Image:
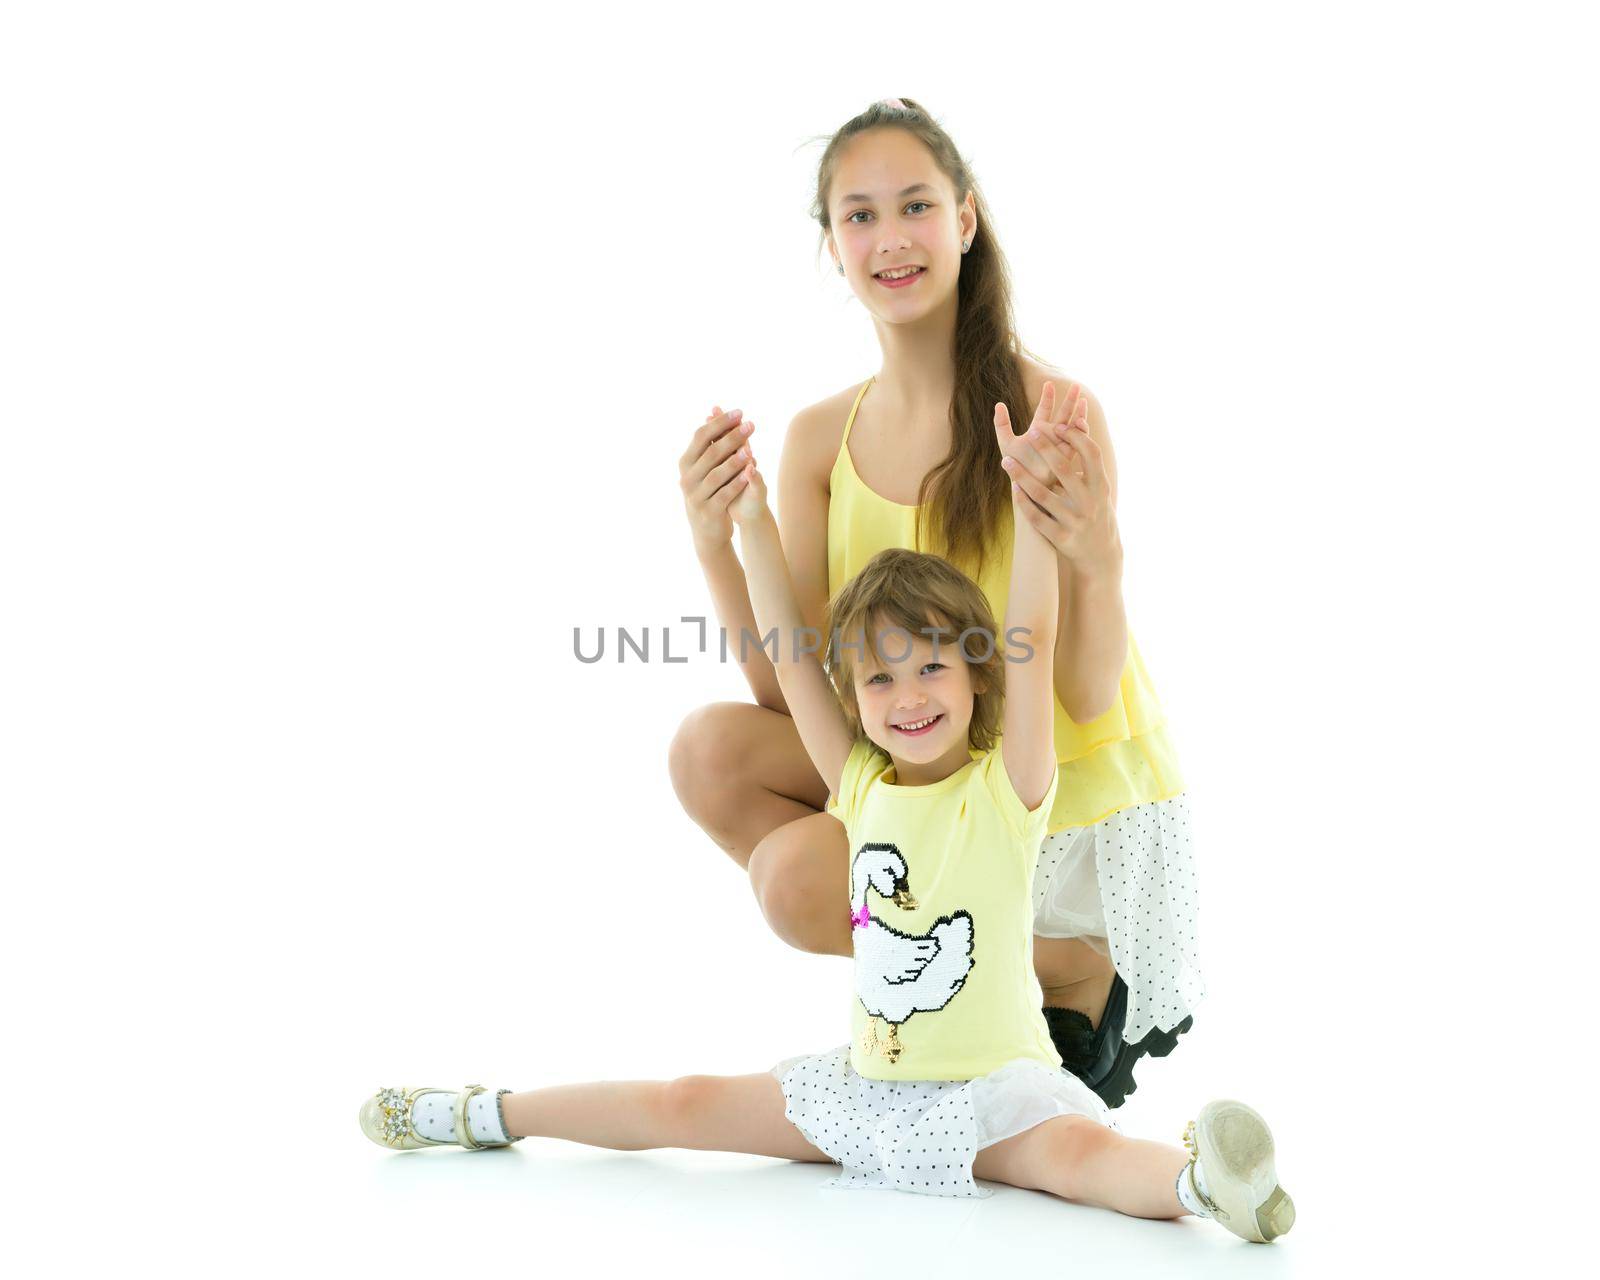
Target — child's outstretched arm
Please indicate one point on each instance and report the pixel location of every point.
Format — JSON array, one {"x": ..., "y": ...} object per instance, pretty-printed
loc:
[
  {"x": 1027, "y": 745},
  {"x": 813, "y": 703}
]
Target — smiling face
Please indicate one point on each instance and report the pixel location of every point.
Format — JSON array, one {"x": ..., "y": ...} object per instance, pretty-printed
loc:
[
  {"x": 916, "y": 703},
  {"x": 891, "y": 206}
]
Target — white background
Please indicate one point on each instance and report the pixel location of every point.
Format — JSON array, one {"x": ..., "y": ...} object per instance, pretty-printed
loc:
[{"x": 348, "y": 353}]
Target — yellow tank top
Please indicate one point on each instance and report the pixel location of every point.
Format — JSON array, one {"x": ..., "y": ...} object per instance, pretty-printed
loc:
[{"x": 1119, "y": 759}]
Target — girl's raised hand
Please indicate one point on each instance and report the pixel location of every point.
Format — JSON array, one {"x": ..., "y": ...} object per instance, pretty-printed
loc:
[
  {"x": 1059, "y": 480},
  {"x": 751, "y": 501},
  {"x": 1047, "y": 417},
  {"x": 711, "y": 473}
]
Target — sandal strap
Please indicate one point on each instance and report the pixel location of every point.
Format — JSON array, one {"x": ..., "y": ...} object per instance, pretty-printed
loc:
[{"x": 463, "y": 1130}]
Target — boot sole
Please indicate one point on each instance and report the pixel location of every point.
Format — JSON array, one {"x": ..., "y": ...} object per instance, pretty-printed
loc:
[{"x": 1119, "y": 1081}]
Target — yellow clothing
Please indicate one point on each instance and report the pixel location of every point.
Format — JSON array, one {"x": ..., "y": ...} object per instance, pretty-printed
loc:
[
  {"x": 942, "y": 920},
  {"x": 1119, "y": 759}
]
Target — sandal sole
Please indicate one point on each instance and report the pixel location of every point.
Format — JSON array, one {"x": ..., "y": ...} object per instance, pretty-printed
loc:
[{"x": 1237, "y": 1151}]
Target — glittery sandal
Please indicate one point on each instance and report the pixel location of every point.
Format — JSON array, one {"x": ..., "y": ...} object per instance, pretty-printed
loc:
[
  {"x": 1235, "y": 1146},
  {"x": 386, "y": 1118}
]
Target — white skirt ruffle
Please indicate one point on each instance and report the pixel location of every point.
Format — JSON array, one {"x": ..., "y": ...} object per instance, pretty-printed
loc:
[
  {"x": 1126, "y": 886},
  {"x": 921, "y": 1135}
]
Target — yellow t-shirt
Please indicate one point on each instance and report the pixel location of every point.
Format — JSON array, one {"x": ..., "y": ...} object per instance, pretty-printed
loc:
[
  {"x": 1121, "y": 758},
  {"x": 941, "y": 880}
]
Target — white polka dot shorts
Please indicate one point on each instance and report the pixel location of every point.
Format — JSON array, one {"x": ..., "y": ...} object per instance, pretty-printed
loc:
[{"x": 921, "y": 1135}]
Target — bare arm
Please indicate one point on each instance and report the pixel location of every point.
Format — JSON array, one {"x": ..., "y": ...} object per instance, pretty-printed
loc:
[
  {"x": 711, "y": 473},
  {"x": 1092, "y": 643},
  {"x": 812, "y": 701},
  {"x": 730, "y": 595},
  {"x": 803, "y": 514},
  {"x": 803, "y": 525},
  {"x": 1070, "y": 474},
  {"x": 1092, "y": 639},
  {"x": 1027, "y": 745}
]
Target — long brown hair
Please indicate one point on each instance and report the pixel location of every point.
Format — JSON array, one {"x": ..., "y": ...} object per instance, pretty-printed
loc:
[{"x": 967, "y": 496}]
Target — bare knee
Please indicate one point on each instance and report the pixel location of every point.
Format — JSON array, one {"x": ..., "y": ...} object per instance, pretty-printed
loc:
[
  {"x": 1076, "y": 1146},
  {"x": 703, "y": 758},
  {"x": 789, "y": 876},
  {"x": 783, "y": 902},
  {"x": 684, "y": 1103}
]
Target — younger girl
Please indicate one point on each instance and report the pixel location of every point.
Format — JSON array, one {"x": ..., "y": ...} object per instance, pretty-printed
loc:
[{"x": 951, "y": 1073}]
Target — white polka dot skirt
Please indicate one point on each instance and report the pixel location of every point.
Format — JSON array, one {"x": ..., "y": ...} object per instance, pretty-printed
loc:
[
  {"x": 921, "y": 1135},
  {"x": 1126, "y": 886}
]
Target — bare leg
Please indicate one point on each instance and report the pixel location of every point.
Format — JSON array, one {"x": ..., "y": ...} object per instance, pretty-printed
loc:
[
  {"x": 1079, "y": 1159},
  {"x": 741, "y": 772},
  {"x": 1069, "y": 1156},
  {"x": 1073, "y": 975},
  {"x": 700, "y": 1113},
  {"x": 800, "y": 874}
]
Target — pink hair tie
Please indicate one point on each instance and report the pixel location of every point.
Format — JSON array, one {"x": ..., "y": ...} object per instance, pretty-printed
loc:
[{"x": 896, "y": 104}]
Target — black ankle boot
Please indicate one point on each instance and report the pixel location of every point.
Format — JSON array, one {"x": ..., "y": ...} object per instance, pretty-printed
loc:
[{"x": 1098, "y": 1055}]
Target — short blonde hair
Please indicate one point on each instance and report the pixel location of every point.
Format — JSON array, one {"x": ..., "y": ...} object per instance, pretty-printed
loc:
[{"x": 924, "y": 596}]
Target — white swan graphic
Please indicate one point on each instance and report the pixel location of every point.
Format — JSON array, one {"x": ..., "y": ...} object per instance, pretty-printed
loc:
[{"x": 898, "y": 974}]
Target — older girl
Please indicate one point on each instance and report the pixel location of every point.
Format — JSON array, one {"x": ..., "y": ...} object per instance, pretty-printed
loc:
[{"x": 908, "y": 458}]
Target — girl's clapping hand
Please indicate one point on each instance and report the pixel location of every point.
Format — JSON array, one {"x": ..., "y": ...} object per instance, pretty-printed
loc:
[
  {"x": 711, "y": 473},
  {"x": 1059, "y": 480}
]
